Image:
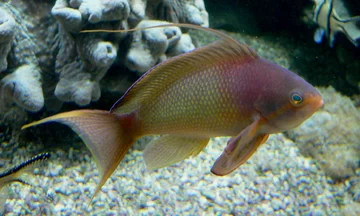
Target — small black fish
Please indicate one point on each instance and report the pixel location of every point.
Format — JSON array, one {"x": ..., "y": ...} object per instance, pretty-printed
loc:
[{"x": 13, "y": 174}]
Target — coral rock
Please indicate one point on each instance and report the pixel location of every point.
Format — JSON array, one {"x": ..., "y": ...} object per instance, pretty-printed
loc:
[
  {"x": 81, "y": 63},
  {"x": 149, "y": 47},
  {"x": 23, "y": 87},
  {"x": 83, "y": 59},
  {"x": 179, "y": 11},
  {"x": 45, "y": 57},
  {"x": 184, "y": 45},
  {"x": 75, "y": 14},
  {"x": 7, "y": 27},
  {"x": 137, "y": 14}
]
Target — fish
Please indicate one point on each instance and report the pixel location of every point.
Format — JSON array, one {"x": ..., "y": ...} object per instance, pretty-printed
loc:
[
  {"x": 222, "y": 89},
  {"x": 14, "y": 174},
  {"x": 327, "y": 16}
]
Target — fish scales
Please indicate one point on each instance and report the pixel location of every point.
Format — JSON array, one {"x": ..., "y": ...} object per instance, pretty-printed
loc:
[
  {"x": 172, "y": 100},
  {"x": 203, "y": 103}
]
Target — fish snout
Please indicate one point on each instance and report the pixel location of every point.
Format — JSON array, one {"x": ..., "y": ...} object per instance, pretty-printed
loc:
[
  {"x": 316, "y": 102},
  {"x": 321, "y": 103}
]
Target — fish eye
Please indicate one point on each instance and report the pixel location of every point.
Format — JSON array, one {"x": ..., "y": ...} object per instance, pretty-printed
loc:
[{"x": 296, "y": 98}]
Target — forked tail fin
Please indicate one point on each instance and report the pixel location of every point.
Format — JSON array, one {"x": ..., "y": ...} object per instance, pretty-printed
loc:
[{"x": 108, "y": 136}]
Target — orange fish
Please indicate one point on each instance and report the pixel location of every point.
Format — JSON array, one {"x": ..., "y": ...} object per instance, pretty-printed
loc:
[{"x": 222, "y": 89}]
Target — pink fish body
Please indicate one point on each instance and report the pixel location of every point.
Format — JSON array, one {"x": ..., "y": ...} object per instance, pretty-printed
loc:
[{"x": 222, "y": 89}]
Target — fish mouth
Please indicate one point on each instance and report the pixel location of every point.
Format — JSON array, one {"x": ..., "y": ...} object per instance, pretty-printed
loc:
[
  {"x": 320, "y": 104},
  {"x": 317, "y": 102}
]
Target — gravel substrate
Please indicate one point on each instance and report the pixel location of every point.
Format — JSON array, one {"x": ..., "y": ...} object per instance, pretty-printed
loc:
[{"x": 277, "y": 180}]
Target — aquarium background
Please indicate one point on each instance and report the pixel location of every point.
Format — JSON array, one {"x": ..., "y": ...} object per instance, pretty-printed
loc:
[{"x": 47, "y": 67}]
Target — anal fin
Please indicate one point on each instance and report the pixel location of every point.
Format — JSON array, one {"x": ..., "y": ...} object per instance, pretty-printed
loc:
[{"x": 170, "y": 149}]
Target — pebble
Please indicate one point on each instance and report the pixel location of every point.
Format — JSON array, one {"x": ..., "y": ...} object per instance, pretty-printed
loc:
[
  {"x": 80, "y": 179},
  {"x": 276, "y": 204},
  {"x": 266, "y": 208},
  {"x": 203, "y": 202},
  {"x": 55, "y": 171},
  {"x": 193, "y": 193},
  {"x": 209, "y": 194},
  {"x": 111, "y": 213},
  {"x": 113, "y": 195},
  {"x": 147, "y": 211},
  {"x": 59, "y": 207},
  {"x": 166, "y": 191},
  {"x": 187, "y": 207}
]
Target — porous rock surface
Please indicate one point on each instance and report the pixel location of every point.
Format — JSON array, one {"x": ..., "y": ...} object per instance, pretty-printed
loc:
[{"x": 46, "y": 60}]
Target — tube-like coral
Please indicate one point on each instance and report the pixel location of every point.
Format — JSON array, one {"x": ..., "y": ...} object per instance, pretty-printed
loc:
[
  {"x": 7, "y": 31},
  {"x": 69, "y": 65},
  {"x": 21, "y": 87}
]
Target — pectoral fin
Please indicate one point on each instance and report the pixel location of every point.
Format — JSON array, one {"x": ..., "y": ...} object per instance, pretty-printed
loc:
[
  {"x": 170, "y": 149},
  {"x": 239, "y": 149}
]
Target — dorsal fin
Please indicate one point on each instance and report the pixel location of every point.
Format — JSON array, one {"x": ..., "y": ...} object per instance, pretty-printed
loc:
[
  {"x": 157, "y": 79},
  {"x": 210, "y": 30}
]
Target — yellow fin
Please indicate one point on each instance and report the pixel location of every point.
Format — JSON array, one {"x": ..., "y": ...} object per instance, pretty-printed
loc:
[
  {"x": 239, "y": 149},
  {"x": 170, "y": 149},
  {"x": 105, "y": 135}
]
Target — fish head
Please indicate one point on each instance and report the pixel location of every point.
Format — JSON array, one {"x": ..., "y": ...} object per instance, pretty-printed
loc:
[
  {"x": 301, "y": 105},
  {"x": 287, "y": 102}
]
